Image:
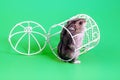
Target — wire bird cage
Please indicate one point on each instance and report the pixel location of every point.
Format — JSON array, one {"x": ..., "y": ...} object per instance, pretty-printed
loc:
[
  {"x": 28, "y": 38},
  {"x": 91, "y": 36},
  {"x": 33, "y": 33}
]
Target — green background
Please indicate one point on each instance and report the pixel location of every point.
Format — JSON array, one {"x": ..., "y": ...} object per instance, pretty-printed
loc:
[{"x": 101, "y": 63}]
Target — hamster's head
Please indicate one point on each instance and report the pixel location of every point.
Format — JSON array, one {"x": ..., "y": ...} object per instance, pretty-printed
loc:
[{"x": 76, "y": 26}]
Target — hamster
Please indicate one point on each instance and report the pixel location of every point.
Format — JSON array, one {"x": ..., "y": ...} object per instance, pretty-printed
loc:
[{"x": 66, "y": 46}]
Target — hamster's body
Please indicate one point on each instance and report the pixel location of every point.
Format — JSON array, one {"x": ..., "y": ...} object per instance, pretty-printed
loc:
[{"x": 66, "y": 47}]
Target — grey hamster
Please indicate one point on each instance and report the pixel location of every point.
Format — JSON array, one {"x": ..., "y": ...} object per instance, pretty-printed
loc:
[{"x": 66, "y": 46}]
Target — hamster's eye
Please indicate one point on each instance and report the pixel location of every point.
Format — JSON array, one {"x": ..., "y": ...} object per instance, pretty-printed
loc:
[{"x": 80, "y": 23}]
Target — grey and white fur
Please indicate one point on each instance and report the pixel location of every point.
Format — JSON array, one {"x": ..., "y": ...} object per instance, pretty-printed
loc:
[{"x": 66, "y": 46}]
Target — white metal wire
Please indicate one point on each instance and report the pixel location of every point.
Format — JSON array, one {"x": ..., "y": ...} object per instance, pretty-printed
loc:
[{"x": 27, "y": 31}]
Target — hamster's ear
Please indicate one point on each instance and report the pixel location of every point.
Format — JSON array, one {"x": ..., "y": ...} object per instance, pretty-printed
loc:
[
  {"x": 72, "y": 21},
  {"x": 69, "y": 22}
]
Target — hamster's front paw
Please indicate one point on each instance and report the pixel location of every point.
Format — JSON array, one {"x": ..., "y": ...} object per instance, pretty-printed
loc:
[{"x": 77, "y": 62}]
